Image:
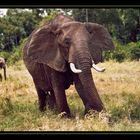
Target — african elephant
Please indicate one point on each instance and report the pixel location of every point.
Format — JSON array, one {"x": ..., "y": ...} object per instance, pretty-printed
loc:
[
  {"x": 3, "y": 66},
  {"x": 62, "y": 52}
]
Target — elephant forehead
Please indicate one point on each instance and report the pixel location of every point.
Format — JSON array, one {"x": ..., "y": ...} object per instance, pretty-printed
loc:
[
  {"x": 60, "y": 19},
  {"x": 74, "y": 29},
  {"x": 72, "y": 23}
]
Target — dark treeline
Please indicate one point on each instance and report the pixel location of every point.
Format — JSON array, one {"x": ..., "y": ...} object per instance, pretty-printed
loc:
[{"x": 122, "y": 23}]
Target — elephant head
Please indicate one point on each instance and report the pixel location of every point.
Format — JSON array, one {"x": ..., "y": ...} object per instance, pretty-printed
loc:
[
  {"x": 64, "y": 41},
  {"x": 3, "y": 66}
]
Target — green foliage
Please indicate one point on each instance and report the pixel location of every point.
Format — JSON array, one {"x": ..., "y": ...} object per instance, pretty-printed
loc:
[
  {"x": 15, "y": 55},
  {"x": 7, "y": 106},
  {"x": 128, "y": 109},
  {"x": 135, "y": 53},
  {"x": 16, "y": 25},
  {"x": 50, "y": 16},
  {"x": 123, "y": 24},
  {"x": 119, "y": 56},
  {"x": 118, "y": 89},
  {"x": 130, "y": 51}
]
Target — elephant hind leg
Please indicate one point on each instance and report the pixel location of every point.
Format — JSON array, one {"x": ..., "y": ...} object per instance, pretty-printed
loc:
[
  {"x": 41, "y": 98},
  {"x": 51, "y": 102}
]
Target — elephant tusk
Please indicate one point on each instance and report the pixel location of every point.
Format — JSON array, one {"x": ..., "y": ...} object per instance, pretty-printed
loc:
[
  {"x": 97, "y": 68},
  {"x": 74, "y": 70}
]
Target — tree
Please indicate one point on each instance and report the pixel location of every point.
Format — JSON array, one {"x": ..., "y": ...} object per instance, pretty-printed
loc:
[
  {"x": 17, "y": 24},
  {"x": 122, "y": 23}
]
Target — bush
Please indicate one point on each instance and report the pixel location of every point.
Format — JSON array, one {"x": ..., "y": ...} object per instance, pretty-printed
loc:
[
  {"x": 130, "y": 51},
  {"x": 15, "y": 55},
  {"x": 119, "y": 56},
  {"x": 135, "y": 53}
]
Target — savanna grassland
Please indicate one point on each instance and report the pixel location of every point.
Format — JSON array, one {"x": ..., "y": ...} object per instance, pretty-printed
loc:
[{"x": 118, "y": 86}]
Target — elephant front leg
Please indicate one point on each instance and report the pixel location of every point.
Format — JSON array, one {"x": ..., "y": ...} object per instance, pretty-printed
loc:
[
  {"x": 41, "y": 98},
  {"x": 59, "y": 92}
]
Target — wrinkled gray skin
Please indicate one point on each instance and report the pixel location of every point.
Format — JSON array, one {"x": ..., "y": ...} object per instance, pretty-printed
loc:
[
  {"x": 51, "y": 48},
  {"x": 3, "y": 66}
]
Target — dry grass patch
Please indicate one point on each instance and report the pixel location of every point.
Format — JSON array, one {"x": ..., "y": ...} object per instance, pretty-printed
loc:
[{"x": 118, "y": 87}]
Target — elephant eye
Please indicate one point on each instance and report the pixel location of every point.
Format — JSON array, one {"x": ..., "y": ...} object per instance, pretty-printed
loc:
[{"x": 67, "y": 41}]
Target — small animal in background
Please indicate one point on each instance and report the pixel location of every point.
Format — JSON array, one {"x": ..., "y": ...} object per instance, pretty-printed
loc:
[{"x": 3, "y": 66}]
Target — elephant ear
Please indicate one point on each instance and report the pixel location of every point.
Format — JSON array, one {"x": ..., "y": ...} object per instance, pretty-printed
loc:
[
  {"x": 43, "y": 48},
  {"x": 100, "y": 41}
]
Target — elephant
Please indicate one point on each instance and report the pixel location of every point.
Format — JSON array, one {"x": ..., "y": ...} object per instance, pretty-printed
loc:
[
  {"x": 61, "y": 53},
  {"x": 3, "y": 66}
]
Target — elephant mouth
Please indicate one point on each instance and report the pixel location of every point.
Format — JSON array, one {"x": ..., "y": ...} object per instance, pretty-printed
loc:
[{"x": 75, "y": 70}]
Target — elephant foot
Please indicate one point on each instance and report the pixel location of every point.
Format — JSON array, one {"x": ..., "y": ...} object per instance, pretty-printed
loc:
[
  {"x": 91, "y": 113},
  {"x": 105, "y": 117},
  {"x": 51, "y": 107},
  {"x": 102, "y": 115},
  {"x": 97, "y": 108},
  {"x": 42, "y": 108},
  {"x": 51, "y": 104},
  {"x": 64, "y": 115}
]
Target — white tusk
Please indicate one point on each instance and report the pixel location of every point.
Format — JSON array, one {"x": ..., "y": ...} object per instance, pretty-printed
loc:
[
  {"x": 72, "y": 67},
  {"x": 97, "y": 68}
]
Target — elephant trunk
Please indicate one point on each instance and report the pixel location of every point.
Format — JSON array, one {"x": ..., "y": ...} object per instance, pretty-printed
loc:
[
  {"x": 91, "y": 94},
  {"x": 90, "y": 90},
  {"x": 82, "y": 59}
]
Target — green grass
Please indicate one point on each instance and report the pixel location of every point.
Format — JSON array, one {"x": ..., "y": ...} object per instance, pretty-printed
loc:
[{"x": 118, "y": 87}]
